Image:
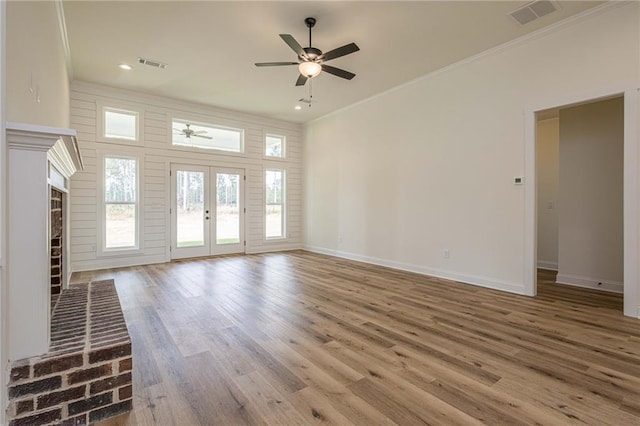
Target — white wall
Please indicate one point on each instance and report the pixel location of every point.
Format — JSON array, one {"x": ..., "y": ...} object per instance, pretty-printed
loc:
[
  {"x": 591, "y": 228},
  {"x": 37, "y": 79},
  {"x": 547, "y": 162},
  {"x": 3, "y": 236},
  {"x": 429, "y": 166},
  {"x": 157, "y": 154}
]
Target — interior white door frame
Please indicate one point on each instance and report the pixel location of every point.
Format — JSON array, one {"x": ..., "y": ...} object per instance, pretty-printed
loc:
[{"x": 630, "y": 193}]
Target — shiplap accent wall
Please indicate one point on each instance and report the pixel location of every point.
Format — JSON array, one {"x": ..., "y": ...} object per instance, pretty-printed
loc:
[{"x": 157, "y": 154}]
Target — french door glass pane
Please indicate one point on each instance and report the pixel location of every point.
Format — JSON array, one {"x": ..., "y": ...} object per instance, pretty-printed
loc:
[
  {"x": 190, "y": 209},
  {"x": 227, "y": 208}
]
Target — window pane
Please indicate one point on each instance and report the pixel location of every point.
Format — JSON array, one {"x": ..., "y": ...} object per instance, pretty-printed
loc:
[
  {"x": 120, "y": 180},
  {"x": 228, "y": 209},
  {"x": 274, "y": 186},
  {"x": 274, "y": 224},
  {"x": 207, "y": 137},
  {"x": 119, "y": 125},
  {"x": 274, "y": 221},
  {"x": 190, "y": 209},
  {"x": 120, "y": 225},
  {"x": 274, "y": 146}
]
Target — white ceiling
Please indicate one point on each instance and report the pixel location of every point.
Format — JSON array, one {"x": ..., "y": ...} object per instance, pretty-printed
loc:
[{"x": 210, "y": 47}]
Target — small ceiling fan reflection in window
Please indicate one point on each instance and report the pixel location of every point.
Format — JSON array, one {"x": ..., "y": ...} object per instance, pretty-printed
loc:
[{"x": 187, "y": 132}]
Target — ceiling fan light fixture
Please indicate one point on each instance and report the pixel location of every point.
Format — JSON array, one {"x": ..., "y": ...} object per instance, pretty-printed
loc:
[{"x": 309, "y": 69}]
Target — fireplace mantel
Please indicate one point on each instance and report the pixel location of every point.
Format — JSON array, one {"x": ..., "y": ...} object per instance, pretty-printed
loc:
[{"x": 38, "y": 158}]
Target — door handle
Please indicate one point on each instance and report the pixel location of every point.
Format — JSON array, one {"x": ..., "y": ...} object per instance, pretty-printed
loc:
[{"x": 206, "y": 217}]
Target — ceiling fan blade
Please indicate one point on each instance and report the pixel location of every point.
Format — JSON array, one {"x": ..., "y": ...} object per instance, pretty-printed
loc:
[
  {"x": 202, "y": 136},
  {"x": 338, "y": 72},
  {"x": 274, "y": 64},
  {"x": 340, "y": 51},
  {"x": 301, "y": 80},
  {"x": 293, "y": 44},
  {"x": 199, "y": 132}
]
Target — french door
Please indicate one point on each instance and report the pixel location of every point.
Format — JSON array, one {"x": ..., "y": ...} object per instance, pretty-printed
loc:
[{"x": 207, "y": 211}]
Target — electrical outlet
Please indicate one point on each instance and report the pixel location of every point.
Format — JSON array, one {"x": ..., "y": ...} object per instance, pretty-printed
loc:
[{"x": 446, "y": 254}]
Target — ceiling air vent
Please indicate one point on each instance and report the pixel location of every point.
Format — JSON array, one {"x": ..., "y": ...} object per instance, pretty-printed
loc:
[
  {"x": 534, "y": 10},
  {"x": 152, "y": 63}
]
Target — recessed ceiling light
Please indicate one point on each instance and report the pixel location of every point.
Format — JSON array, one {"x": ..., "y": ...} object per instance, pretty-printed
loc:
[
  {"x": 298, "y": 107},
  {"x": 125, "y": 67}
]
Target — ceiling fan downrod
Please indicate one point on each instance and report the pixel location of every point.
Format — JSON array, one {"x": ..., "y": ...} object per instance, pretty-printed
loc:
[{"x": 311, "y": 22}]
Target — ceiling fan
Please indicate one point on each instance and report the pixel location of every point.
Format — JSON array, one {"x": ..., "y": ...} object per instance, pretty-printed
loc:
[
  {"x": 187, "y": 132},
  {"x": 311, "y": 60}
]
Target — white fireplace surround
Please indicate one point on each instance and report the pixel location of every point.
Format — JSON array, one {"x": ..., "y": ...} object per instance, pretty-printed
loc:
[{"x": 39, "y": 158}]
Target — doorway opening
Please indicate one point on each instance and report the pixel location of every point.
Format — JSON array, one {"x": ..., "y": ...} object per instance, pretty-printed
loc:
[
  {"x": 207, "y": 211},
  {"x": 579, "y": 176},
  {"x": 627, "y": 280}
]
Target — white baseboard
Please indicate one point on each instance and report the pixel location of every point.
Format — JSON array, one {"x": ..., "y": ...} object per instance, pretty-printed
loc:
[
  {"x": 594, "y": 283},
  {"x": 272, "y": 249},
  {"x": 116, "y": 262},
  {"x": 438, "y": 273},
  {"x": 548, "y": 265},
  {"x": 123, "y": 262}
]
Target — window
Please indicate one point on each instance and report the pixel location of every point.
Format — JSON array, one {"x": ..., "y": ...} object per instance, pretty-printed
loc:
[
  {"x": 120, "y": 203},
  {"x": 120, "y": 124},
  {"x": 275, "y": 208},
  {"x": 207, "y": 136},
  {"x": 274, "y": 146}
]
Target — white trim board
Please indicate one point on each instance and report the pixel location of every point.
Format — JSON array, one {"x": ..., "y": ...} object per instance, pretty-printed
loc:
[
  {"x": 586, "y": 282},
  {"x": 62, "y": 23},
  {"x": 432, "y": 272}
]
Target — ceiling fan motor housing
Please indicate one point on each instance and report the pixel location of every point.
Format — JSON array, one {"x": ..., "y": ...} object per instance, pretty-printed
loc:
[{"x": 312, "y": 53}]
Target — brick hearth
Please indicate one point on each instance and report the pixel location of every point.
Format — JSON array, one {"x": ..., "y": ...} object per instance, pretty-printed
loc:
[{"x": 86, "y": 375}]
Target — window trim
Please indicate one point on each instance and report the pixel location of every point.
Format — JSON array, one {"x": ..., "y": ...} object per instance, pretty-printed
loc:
[
  {"x": 103, "y": 108},
  {"x": 284, "y": 138},
  {"x": 102, "y": 250},
  {"x": 283, "y": 203},
  {"x": 199, "y": 122}
]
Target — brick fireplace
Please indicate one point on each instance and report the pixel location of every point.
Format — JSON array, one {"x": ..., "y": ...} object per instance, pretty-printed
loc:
[
  {"x": 69, "y": 349},
  {"x": 40, "y": 159}
]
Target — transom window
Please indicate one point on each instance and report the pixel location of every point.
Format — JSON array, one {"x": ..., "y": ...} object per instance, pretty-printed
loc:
[
  {"x": 274, "y": 145},
  {"x": 120, "y": 124},
  {"x": 206, "y": 136}
]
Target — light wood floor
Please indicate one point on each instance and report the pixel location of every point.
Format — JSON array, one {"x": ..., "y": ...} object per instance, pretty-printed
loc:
[{"x": 300, "y": 338}]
